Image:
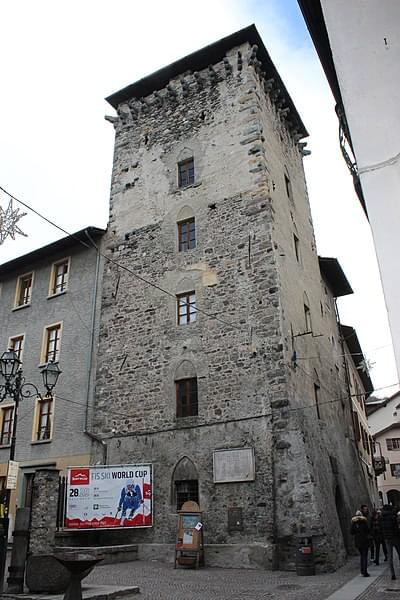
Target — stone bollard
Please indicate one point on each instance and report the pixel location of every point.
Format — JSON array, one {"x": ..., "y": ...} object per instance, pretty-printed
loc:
[
  {"x": 16, "y": 570},
  {"x": 43, "y": 572}
]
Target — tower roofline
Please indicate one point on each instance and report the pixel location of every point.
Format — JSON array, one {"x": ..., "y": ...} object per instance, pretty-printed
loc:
[{"x": 201, "y": 59}]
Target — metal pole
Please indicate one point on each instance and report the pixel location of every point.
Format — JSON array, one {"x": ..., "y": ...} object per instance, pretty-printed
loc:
[{"x": 5, "y": 520}]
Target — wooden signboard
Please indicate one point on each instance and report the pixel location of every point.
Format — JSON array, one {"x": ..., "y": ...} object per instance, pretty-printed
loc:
[{"x": 189, "y": 547}]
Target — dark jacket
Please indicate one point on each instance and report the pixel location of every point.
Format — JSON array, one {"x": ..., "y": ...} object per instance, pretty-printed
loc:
[
  {"x": 390, "y": 528},
  {"x": 376, "y": 527},
  {"x": 360, "y": 530}
]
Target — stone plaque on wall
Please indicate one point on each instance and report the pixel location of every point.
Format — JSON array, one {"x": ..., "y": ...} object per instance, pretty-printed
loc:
[{"x": 234, "y": 464}]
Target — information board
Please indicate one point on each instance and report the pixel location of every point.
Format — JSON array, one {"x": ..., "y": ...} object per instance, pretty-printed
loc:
[{"x": 109, "y": 496}]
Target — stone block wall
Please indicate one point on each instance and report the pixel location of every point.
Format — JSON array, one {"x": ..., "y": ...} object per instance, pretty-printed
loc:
[{"x": 249, "y": 290}]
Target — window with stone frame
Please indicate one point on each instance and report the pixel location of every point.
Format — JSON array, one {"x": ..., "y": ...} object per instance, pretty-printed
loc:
[
  {"x": 288, "y": 187},
  {"x": 186, "y": 172},
  {"x": 7, "y": 422},
  {"x": 395, "y": 470},
  {"x": 59, "y": 277},
  {"x": 185, "y": 491},
  {"x": 186, "y": 397},
  {"x": 393, "y": 443},
  {"x": 16, "y": 344},
  {"x": 186, "y": 308},
  {"x": 317, "y": 399},
  {"x": 44, "y": 417},
  {"x": 186, "y": 235},
  {"x": 52, "y": 343},
  {"x": 24, "y": 290},
  {"x": 307, "y": 314},
  {"x": 296, "y": 243}
]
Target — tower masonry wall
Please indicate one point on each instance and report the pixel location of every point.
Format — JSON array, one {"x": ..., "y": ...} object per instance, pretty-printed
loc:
[{"x": 232, "y": 121}]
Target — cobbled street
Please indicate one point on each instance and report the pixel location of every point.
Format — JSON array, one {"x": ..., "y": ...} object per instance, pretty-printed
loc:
[{"x": 159, "y": 581}]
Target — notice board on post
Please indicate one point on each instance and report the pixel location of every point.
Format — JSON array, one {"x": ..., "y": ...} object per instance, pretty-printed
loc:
[
  {"x": 104, "y": 497},
  {"x": 189, "y": 548}
]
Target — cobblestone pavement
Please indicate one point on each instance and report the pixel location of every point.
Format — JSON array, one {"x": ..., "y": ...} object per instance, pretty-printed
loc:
[{"x": 159, "y": 581}]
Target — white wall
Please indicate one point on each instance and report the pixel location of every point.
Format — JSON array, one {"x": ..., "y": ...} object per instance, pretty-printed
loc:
[{"x": 365, "y": 43}]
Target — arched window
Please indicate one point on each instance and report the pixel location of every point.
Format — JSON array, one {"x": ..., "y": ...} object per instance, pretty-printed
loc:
[
  {"x": 186, "y": 390},
  {"x": 185, "y": 483}
]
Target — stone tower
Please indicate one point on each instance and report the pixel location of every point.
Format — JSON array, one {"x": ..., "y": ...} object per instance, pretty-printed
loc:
[{"x": 219, "y": 352}]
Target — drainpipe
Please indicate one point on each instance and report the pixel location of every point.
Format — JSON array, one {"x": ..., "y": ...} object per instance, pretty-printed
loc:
[
  {"x": 103, "y": 443},
  {"x": 91, "y": 435}
]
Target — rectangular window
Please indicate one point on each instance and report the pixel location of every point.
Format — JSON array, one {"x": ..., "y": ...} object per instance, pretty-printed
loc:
[
  {"x": 24, "y": 290},
  {"x": 296, "y": 247},
  {"x": 17, "y": 344},
  {"x": 288, "y": 187},
  {"x": 395, "y": 470},
  {"x": 186, "y": 490},
  {"x": 307, "y": 317},
  {"x": 186, "y": 172},
  {"x": 52, "y": 343},
  {"x": 7, "y": 420},
  {"x": 187, "y": 235},
  {"x": 186, "y": 397},
  {"x": 44, "y": 418},
  {"x": 59, "y": 277},
  {"x": 393, "y": 443},
  {"x": 316, "y": 398},
  {"x": 186, "y": 304}
]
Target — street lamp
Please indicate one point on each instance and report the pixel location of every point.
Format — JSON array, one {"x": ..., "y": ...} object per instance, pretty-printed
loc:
[{"x": 13, "y": 385}]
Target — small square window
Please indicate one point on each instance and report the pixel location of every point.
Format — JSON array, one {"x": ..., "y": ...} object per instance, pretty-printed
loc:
[
  {"x": 52, "y": 343},
  {"x": 59, "y": 277},
  {"x": 186, "y": 490},
  {"x": 186, "y": 172},
  {"x": 395, "y": 470},
  {"x": 186, "y": 397},
  {"x": 186, "y": 306},
  {"x": 24, "y": 290},
  {"x": 7, "y": 422},
  {"x": 187, "y": 235}
]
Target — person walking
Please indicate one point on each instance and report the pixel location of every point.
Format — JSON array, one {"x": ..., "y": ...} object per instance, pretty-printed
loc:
[
  {"x": 360, "y": 530},
  {"x": 377, "y": 534},
  {"x": 365, "y": 513},
  {"x": 391, "y": 534}
]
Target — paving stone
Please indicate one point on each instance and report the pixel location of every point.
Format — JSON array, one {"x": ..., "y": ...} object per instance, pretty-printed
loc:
[{"x": 160, "y": 581}]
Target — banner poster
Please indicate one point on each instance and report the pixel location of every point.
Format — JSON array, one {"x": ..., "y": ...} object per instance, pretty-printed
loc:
[{"x": 105, "y": 497}]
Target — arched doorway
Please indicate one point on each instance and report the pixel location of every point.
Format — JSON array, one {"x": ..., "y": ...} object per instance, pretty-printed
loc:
[
  {"x": 343, "y": 521},
  {"x": 393, "y": 497}
]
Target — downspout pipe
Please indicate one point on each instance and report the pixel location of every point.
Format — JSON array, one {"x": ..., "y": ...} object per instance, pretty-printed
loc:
[
  {"x": 91, "y": 435},
  {"x": 100, "y": 441}
]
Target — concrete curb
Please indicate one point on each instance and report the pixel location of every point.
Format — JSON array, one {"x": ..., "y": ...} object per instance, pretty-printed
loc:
[
  {"x": 356, "y": 586},
  {"x": 89, "y": 592}
]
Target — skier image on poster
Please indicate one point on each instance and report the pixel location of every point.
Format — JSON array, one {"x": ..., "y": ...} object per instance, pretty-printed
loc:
[{"x": 130, "y": 500}]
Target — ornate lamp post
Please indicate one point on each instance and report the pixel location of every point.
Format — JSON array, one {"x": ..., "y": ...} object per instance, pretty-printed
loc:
[{"x": 14, "y": 386}]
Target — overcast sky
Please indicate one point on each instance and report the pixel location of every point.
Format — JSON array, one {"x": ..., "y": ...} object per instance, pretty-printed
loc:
[{"x": 59, "y": 61}]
